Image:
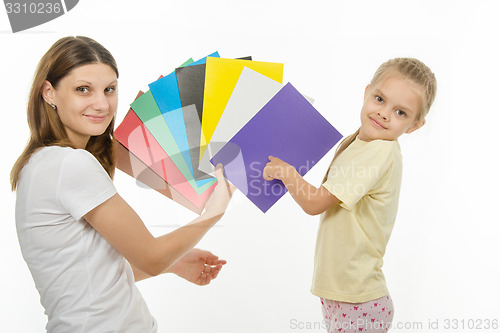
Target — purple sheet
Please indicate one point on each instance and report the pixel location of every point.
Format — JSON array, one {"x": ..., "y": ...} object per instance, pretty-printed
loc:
[{"x": 287, "y": 127}]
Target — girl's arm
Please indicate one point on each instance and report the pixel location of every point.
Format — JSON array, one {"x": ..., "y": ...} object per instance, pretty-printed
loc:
[
  {"x": 312, "y": 200},
  {"x": 118, "y": 223}
]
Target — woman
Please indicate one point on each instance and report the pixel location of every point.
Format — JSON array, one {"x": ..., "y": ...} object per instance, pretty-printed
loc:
[{"x": 83, "y": 244}]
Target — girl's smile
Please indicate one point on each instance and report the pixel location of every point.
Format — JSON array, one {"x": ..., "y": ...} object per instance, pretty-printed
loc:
[{"x": 377, "y": 124}]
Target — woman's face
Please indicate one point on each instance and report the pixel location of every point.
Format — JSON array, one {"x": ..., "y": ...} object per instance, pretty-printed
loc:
[{"x": 86, "y": 101}]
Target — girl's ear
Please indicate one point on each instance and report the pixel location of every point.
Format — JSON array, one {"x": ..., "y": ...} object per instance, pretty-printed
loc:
[
  {"x": 367, "y": 89},
  {"x": 48, "y": 92},
  {"x": 416, "y": 126}
]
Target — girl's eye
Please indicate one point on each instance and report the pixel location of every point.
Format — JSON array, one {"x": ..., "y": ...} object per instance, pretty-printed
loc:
[
  {"x": 110, "y": 89},
  {"x": 82, "y": 89},
  {"x": 379, "y": 99},
  {"x": 401, "y": 113}
]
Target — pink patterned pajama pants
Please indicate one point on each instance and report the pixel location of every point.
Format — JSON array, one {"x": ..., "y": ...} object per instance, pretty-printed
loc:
[{"x": 371, "y": 317}]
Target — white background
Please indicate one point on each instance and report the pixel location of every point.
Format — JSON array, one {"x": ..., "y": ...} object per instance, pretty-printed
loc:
[{"x": 442, "y": 259}]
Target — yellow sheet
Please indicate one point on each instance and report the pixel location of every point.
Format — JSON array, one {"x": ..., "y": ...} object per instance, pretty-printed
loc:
[{"x": 221, "y": 77}]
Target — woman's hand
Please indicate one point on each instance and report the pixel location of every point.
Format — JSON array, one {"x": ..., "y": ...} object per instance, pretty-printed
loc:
[
  {"x": 198, "y": 266},
  {"x": 219, "y": 200},
  {"x": 277, "y": 169}
]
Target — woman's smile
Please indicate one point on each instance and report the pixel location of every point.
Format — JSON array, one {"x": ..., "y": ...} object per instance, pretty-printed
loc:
[{"x": 96, "y": 118}]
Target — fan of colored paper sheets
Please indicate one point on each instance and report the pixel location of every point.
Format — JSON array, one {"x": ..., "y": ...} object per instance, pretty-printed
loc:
[{"x": 216, "y": 110}]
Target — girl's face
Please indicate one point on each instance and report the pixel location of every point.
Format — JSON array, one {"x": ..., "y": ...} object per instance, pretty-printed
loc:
[
  {"x": 391, "y": 108},
  {"x": 86, "y": 101}
]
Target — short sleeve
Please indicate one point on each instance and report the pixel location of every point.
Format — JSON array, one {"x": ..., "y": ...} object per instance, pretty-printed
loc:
[
  {"x": 354, "y": 174},
  {"x": 83, "y": 183}
]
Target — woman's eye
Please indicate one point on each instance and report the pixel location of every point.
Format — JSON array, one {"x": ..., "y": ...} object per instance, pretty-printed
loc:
[
  {"x": 82, "y": 89},
  {"x": 379, "y": 99},
  {"x": 110, "y": 89},
  {"x": 400, "y": 113}
]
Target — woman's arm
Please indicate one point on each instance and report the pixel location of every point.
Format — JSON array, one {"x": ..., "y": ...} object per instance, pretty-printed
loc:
[
  {"x": 138, "y": 274},
  {"x": 311, "y": 199},
  {"x": 118, "y": 223},
  {"x": 197, "y": 266}
]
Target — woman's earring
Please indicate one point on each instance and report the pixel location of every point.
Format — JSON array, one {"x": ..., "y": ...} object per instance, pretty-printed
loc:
[{"x": 53, "y": 106}]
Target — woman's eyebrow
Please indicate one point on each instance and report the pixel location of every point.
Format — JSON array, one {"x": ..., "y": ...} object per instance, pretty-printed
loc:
[
  {"x": 90, "y": 83},
  {"x": 84, "y": 82}
]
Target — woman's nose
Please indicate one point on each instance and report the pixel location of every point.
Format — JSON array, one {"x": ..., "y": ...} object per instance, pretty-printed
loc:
[{"x": 101, "y": 103}]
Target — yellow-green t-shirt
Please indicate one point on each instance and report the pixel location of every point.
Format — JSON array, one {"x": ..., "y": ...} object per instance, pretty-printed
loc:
[{"x": 353, "y": 235}]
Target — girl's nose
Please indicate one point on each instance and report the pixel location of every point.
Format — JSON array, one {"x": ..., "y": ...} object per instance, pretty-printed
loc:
[{"x": 382, "y": 113}]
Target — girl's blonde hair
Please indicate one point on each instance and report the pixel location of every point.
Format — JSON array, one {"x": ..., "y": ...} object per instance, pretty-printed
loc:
[
  {"x": 44, "y": 123},
  {"x": 409, "y": 68}
]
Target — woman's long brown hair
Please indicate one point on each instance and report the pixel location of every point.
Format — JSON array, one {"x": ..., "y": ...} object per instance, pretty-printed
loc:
[{"x": 44, "y": 123}]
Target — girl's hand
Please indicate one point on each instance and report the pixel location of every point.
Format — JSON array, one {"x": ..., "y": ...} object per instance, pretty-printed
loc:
[
  {"x": 219, "y": 199},
  {"x": 198, "y": 266},
  {"x": 277, "y": 169},
  {"x": 312, "y": 200}
]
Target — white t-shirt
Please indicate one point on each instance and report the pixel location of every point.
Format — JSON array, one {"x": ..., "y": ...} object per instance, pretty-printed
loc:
[{"x": 85, "y": 285}]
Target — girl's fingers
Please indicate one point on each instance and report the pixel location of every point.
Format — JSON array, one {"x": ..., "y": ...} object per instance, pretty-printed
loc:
[{"x": 265, "y": 174}]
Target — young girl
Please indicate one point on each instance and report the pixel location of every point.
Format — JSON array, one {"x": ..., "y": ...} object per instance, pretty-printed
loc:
[
  {"x": 358, "y": 198},
  {"x": 83, "y": 244}
]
